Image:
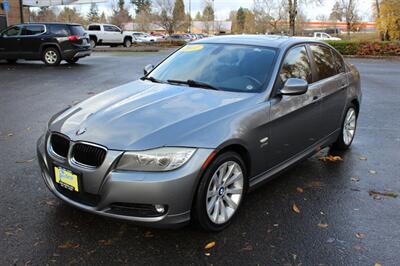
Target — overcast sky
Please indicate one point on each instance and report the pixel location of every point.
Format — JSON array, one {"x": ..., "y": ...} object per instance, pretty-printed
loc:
[{"x": 223, "y": 7}]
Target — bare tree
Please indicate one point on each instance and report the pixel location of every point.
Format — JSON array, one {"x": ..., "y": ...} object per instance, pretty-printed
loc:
[
  {"x": 350, "y": 14},
  {"x": 165, "y": 15},
  {"x": 293, "y": 11},
  {"x": 269, "y": 14}
]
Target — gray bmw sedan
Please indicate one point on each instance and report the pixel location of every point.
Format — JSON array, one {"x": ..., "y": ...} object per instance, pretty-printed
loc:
[{"x": 186, "y": 141}]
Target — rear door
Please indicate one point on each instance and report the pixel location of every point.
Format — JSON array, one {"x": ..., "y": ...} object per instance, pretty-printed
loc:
[
  {"x": 294, "y": 119},
  {"x": 10, "y": 42},
  {"x": 108, "y": 34},
  {"x": 332, "y": 79},
  {"x": 31, "y": 40}
]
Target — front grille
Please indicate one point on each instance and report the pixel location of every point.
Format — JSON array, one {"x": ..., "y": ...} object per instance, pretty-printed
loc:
[
  {"x": 133, "y": 209},
  {"x": 59, "y": 145},
  {"x": 88, "y": 154}
]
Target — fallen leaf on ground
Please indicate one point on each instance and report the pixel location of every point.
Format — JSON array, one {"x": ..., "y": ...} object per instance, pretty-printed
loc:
[
  {"x": 300, "y": 190},
  {"x": 322, "y": 225},
  {"x": 360, "y": 235},
  {"x": 330, "y": 158},
  {"x": 363, "y": 158},
  {"x": 386, "y": 193},
  {"x": 314, "y": 184},
  {"x": 377, "y": 264},
  {"x": 148, "y": 234},
  {"x": 210, "y": 245},
  {"x": 69, "y": 244},
  {"x": 105, "y": 242},
  {"x": 355, "y": 178},
  {"x": 358, "y": 247},
  {"x": 295, "y": 208},
  {"x": 207, "y": 254},
  {"x": 10, "y": 134},
  {"x": 247, "y": 248},
  {"x": 372, "y": 172},
  {"x": 25, "y": 161}
]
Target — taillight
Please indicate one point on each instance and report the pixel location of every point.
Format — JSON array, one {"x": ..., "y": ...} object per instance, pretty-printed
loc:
[{"x": 73, "y": 38}]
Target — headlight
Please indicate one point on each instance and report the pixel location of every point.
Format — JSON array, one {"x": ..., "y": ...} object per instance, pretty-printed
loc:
[{"x": 157, "y": 160}]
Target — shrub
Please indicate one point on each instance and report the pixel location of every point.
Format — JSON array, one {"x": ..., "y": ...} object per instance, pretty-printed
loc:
[{"x": 367, "y": 48}]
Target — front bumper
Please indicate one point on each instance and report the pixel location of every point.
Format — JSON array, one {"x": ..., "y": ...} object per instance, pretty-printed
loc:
[{"x": 106, "y": 186}]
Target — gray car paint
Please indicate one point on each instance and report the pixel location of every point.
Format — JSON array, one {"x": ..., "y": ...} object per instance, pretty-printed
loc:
[{"x": 275, "y": 130}]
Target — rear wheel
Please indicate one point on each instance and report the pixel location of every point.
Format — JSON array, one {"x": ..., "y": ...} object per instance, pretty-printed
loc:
[
  {"x": 11, "y": 61},
  {"x": 72, "y": 60},
  {"x": 51, "y": 56},
  {"x": 348, "y": 131},
  {"x": 220, "y": 192}
]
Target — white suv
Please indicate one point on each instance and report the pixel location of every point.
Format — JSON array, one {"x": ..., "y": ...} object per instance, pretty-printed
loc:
[{"x": 108, "y": 34}]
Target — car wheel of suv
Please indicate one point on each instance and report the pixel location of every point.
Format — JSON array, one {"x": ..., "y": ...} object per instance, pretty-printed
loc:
[
  {"x": 92, "y": 43},
  {"x": 51, "y": 56},
  {"x": 72, "y": 60},
  {"x": 11, "y": 61},
  {"x": 220, "y": 192},
  {"x": 127, "y": 43},
  {"x": 348, "y": 131}
]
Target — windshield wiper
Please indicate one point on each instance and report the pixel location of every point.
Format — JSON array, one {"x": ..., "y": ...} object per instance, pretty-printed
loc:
[
  {"x": 193, "y": 83},
  {"x": 152, "y": 79}
]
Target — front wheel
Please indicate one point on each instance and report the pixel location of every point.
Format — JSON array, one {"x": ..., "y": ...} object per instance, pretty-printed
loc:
[
  {"x": 220, "y": 192},
  {"x": 348, "y": 131},
  {"x": 51, "y": 56},
  {"x": 127, "y": 43}
]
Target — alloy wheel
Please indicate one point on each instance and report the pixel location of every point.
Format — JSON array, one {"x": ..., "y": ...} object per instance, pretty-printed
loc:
[
  {"x": 349, "y": 126},
  {"x": 51, "y": 57},
  {"x": 224, "y": 192}
]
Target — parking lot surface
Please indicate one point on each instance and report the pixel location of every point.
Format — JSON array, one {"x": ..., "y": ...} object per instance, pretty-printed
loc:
[{"x": 339, "y": 220}]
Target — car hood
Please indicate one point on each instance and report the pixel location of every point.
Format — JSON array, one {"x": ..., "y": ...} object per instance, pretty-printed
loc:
[{"x": 144, "y": 115}]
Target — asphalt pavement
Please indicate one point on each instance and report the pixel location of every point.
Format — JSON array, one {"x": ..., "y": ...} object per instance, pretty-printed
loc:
[{"x": 338, "y": 220}]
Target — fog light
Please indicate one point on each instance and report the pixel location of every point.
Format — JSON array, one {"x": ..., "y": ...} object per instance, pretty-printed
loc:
[{"x": 159, "y": 208}]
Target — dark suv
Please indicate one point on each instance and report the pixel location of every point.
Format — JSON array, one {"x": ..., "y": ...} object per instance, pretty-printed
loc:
[{"x": 49, "y": 42}]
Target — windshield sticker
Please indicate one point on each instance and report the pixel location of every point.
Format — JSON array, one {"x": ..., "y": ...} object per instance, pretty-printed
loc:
[{"x": 192, "y": 48}]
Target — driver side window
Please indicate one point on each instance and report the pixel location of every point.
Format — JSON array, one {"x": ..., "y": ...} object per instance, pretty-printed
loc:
[{"x": 296, "y": 65}]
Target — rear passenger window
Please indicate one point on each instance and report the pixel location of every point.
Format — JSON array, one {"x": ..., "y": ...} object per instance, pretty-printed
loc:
[
  {"x": 338, "y": 60},
  {"x": 94, "y": 28},
  {"x": 296, "y": 65},
  {"x": 326, "y": 66},
  {"x": 32, "y": 30},
  {"x": 59, "y": 30}
]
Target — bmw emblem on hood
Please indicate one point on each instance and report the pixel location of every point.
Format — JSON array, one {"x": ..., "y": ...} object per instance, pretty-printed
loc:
[{"x": 80, "y": 131}]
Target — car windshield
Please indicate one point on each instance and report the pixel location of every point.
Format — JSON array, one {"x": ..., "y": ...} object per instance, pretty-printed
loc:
[{"x": 225, "y": 67}]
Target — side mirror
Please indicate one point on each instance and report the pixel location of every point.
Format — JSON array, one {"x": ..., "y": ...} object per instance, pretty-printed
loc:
[
  {"x": 294, "y": 86},
  {"x": 147, "y": 69}
]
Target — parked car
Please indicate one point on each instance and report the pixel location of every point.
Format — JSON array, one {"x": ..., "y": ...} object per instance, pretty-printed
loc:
[
  {"x": 188, "y": 140},
  {"x": 322, "y": 36},
  {"x": 107, "y": 34},
  {"x": 143, "y": 37},
  {"x": 49, "y": 42},
  {"x": 179, "y": 37}
]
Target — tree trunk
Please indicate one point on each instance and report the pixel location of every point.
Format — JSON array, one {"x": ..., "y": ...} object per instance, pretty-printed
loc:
[{"x": 292, "y": 16}]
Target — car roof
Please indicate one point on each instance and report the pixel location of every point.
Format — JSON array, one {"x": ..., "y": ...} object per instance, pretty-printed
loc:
[
  {"x": 51, "y": 23},
  {"x": 273, "y": 41}
]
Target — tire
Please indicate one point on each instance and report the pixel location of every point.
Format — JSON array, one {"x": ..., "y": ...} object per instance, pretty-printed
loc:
[
  {"x": 93, "y": 43},
  {"x": 11, "y": 61},
  {"x": 51, "y": 56},
  {"x": 127, "y": 43},
  {"x": 72, "y": 60},
  {"x": 214, "y": 207},
  {"x": 348, "y": 129}
]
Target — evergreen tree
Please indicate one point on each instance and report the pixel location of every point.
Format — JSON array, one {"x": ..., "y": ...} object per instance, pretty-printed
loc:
[
  {"x": 198, "y": 16},
  {"x": 141, "y": 6},
  {"x": 93, "y": 15},
  {"x": 179, "y": 10},
  {"x": 240, "y": 19}
]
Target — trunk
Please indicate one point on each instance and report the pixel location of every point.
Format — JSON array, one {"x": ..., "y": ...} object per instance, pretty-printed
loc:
[{"x": 348, "y": 23}]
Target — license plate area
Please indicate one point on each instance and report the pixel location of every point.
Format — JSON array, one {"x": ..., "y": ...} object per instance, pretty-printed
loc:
[{"x": 67, "y": 179}]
